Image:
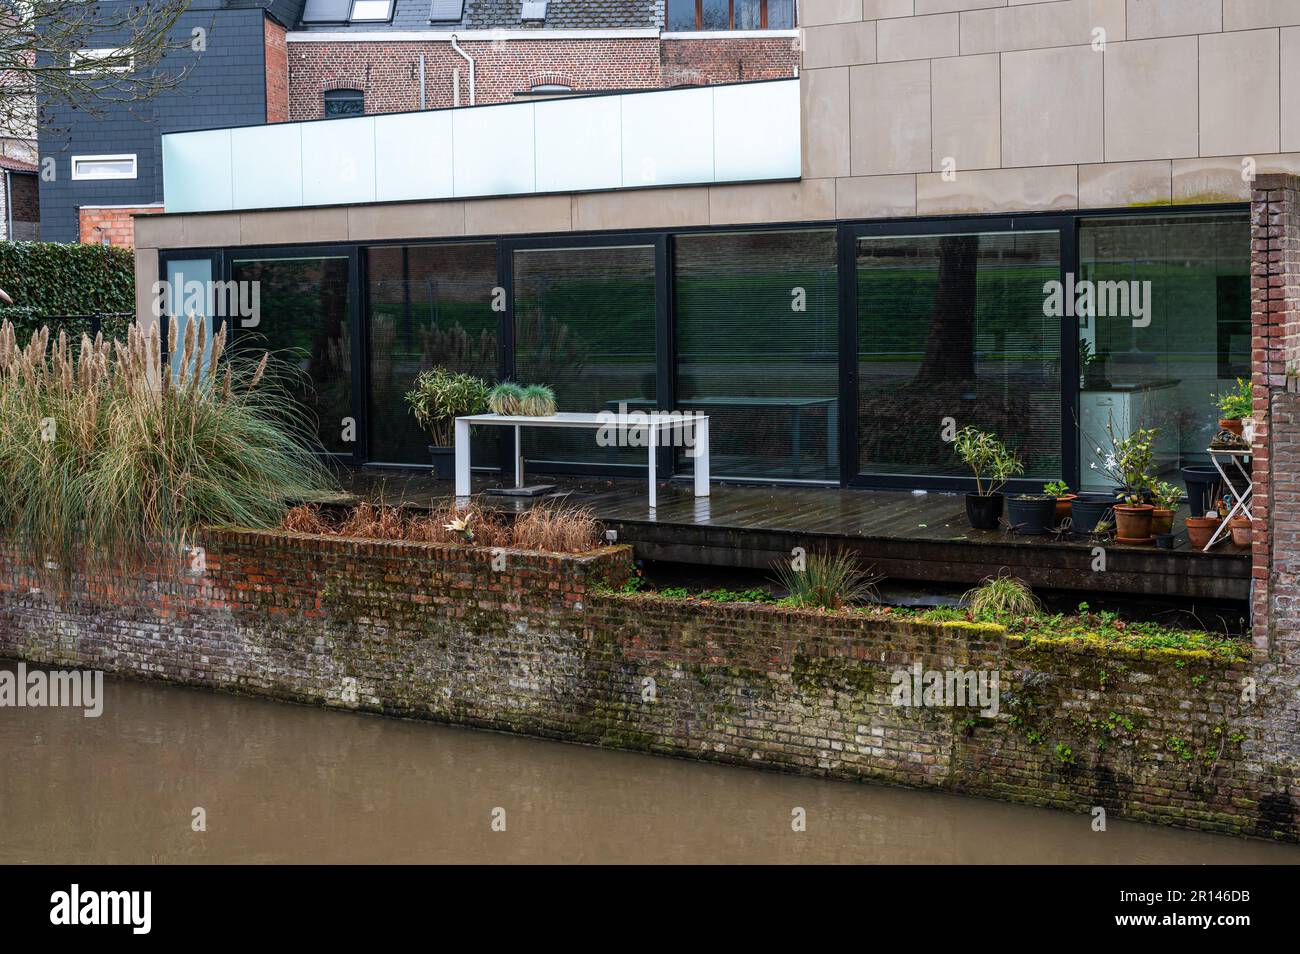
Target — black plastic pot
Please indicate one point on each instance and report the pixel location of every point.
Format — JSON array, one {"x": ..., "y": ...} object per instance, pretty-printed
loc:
[
  {"x": 1031, "y": 515},
  {"x": 984, "y": 511},
  {"x": 1203, "y": 485},
  {"x": 444, "y": 462},
  {"x": 1088, "y": 510}
]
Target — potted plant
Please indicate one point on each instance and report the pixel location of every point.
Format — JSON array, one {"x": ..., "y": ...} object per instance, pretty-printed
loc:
[
  {"x": 1242, "y": 530},
  {"x": 1091, "y": 513},
  {"x": 1061, "y": 491},
  {"x": 1031, "y": 515},
  {"x": 1200, "y": 529},
  {"x": 1133, "y": 518},
  {"x": 993, "y": 464},
  {"x": 505, "y": 399},
  {"x": 438, "y": 398},
  {"x": 1235, "y": 405},
  {"x": 1166, "y": 498},
  {"x": 1129, "y": 462},
  {"x": 537, "y": 401}
]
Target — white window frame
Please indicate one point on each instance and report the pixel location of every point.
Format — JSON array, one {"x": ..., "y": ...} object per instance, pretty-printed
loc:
[
  {"x": 116, "y": 157},
  {"x": 91, "y": 56}
]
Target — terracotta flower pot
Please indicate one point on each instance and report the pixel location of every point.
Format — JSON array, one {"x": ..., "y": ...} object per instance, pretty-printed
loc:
[
  {"x": 1230, "y": 424},
  {"x": 1133, "y": 523},
  {"x": 1064, "y": 508},
  {"x": 1200, "y": 529},
  {"x": 1162, "y": 521},
  {"x": 1242, "y": 532}
]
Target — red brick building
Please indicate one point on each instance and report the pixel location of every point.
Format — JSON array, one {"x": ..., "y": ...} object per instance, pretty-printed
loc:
[
  {"x": 20, "y": 210},
  {"x": 429, "y": 56}
]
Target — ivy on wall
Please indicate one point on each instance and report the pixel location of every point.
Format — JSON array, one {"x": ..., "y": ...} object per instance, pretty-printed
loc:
[{"x": 47, "y": 279}]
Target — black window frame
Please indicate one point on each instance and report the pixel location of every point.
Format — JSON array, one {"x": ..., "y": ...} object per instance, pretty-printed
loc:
[
  {"x": 1067, "y": 222},
  {"x": 332, "y": 96}
]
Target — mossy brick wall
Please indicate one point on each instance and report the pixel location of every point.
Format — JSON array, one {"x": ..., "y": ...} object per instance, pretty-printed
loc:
[{"x": 541, "y": 647}]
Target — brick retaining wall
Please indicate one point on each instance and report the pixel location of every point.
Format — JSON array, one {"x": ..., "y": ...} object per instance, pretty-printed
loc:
[{"x": 539, "y": 647}]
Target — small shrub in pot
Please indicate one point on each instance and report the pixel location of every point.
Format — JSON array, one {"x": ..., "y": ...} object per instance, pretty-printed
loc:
[
  {"x": 438, "y": 398},
  {"x": 992, "y": 465}
]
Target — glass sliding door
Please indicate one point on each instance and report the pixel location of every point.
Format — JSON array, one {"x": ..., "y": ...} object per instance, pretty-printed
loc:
[
  {"x": 584, "y": 324},
  {"x": 1159, "y": 368},
  {"x": 757, "y": 324},
  {"x": 428, "y": 306},
  {"x": 304, "y": 320},
  {"x": 952, "y": 329}
]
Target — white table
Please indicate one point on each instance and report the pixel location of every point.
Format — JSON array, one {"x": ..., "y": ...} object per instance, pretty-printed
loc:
[
  {"x": 1240, "y": 501},
  {"x": 654, "y": 424}
]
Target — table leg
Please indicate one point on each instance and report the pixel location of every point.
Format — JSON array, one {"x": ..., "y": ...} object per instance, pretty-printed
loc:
[
  {"x": 702, "y": 457},
  {"x": 653, "y": 443},
  {"x": 519, "y": 459},
  {"x": 462, "y": 458}
]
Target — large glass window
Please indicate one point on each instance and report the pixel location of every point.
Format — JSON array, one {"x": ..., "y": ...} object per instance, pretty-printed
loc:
[
  {"x": 1182, "y": 338},
  {"x": 585, "y": 326},
  {"x": 757, "y": 350},
  {"x": 303, "y": 319},
  {"x": 430, "y": 306},
  {"x": 690, "y": 15},
  {"x": 953, "y": 327}
]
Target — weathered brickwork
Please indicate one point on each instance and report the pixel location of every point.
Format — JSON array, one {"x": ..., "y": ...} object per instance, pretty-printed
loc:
[
  {"x": 1275, "y": 359},
  {"x": 722, "y": 60},
  {"x": 277, "y": 72},
  {"x": 434, "y": 632},
  {"x": 114, "y": 224},
  {"x": 389, "y": 72}
]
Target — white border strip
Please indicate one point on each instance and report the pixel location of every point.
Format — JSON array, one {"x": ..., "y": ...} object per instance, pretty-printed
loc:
[
  {"x": 427, "y": 36},
  {"x": 730, "y": 35}
]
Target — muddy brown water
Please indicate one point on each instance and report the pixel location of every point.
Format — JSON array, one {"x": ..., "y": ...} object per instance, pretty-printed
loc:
[{"x": 286, "y": 783}]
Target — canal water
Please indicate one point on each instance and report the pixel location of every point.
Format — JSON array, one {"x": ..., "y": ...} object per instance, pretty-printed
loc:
[{"x": 286, "y": 783}]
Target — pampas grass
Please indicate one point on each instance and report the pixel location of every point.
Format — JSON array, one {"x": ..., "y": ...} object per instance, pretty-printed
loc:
[{"x": 110, "y": 454}]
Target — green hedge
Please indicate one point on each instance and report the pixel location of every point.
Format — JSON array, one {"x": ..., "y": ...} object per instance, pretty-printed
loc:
[{"x": 47, "y": 278}]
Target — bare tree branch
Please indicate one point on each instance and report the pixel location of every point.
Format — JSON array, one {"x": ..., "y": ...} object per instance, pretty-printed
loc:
[{"x": 89, "y": 56}]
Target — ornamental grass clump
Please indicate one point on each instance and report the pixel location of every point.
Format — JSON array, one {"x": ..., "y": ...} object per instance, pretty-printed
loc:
[
  {"x": 999, "y": 597},
  {"x": 111, "y": 454},
  {"x": 538, "y": 401},
  {"x": 505, "y": 399},
  {"x": 829, "y": 581}
]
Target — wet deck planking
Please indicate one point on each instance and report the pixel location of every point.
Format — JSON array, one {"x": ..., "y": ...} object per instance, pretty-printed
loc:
[{"x": 905, "y": 536}]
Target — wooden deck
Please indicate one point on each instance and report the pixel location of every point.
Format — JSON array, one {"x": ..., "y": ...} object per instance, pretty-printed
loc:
[{"x": 905, "y": 536}]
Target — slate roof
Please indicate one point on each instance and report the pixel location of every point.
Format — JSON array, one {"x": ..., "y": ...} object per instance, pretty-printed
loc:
[{"x": 505, "y": 15}]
